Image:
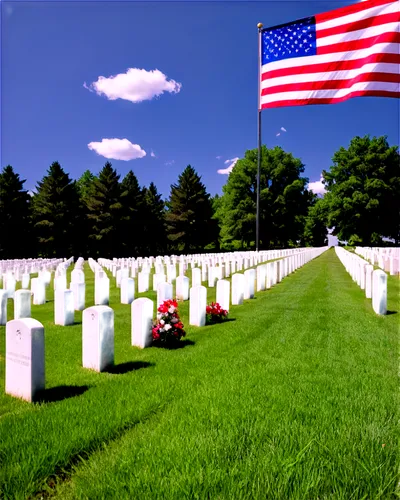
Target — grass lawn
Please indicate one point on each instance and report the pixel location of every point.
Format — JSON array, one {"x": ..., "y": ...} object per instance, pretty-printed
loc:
[{"x": 295, "y": 398}]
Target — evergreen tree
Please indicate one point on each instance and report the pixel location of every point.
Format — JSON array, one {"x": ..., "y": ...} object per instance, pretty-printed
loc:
[
  {"x": 14, "y": 216},
  {"x": 85, "y": 184},
  {"x": 189, "y": 215},
  {"x": 104, "y": 212},
  {"x": 154, "y": 231},
  {"x": 55, "y": 213},
  {"x": 315, "y": 229},
  {"x": 132, "y": 200}
]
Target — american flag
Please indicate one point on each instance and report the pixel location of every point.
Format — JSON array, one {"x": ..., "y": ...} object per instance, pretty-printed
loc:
[{"x": 328, "y": 58}]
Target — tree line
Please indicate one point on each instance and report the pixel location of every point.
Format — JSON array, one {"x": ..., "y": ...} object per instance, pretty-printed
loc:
[{"x": 104, "y": 215}]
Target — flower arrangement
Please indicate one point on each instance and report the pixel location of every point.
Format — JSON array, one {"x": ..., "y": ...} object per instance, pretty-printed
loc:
[
  {"x": 215, "y": 313},
  {"x": 168, "y": 327}
]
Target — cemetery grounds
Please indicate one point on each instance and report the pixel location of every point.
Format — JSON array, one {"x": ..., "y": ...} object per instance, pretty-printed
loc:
[{"x": 295, "y": 397}]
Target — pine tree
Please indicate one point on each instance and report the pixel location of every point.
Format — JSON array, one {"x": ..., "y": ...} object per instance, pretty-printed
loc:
[
  {"x": 189, "y": 215},
  {"x": 104, "y": 211},
  {"x": 55, "y": 213},
  {"x": 132, "y": 200},
  {"x": 154, "y": 236},
  {"x": 14, "y": 216},
  {"x": 85, "y": 185}
]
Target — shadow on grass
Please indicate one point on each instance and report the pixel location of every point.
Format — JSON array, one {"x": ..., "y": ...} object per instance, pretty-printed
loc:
[
  {"x": 77, "y": 323},
  {"x": 177, "y": 345},
  {"x": 391, "y": 312},
  {"x": 60, "y": 392},
  {"x": 129, "y": 366}
]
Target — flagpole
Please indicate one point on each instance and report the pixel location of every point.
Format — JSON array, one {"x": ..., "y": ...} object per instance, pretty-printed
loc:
[{"x": 259, "y": 26}]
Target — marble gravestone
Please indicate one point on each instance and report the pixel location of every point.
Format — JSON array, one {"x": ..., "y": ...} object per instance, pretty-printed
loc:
[
  {"x": 3, "y": 307},
  {"x": 79, "y": 291},
  {"x": 101, "y": 290},
  {"x": 379, "y": 292},
  {"x": 197, "y": 306},
  {"x": 182, "y": 288},
  {"x": 223, "y": 294},
  {"x": 142, "y": 322},
  {"x": 196, "y": 277},
  {"x": 22, "y": 304},
  {"x": 249, "y": 279},
  {"x": 238, "y": 284},
  {"x": 127, "y": 290},
  {"x": 164, "y": 292},
  {"x": 63, "y": 307},
  {"x": 25, "y": 366},
  {"x": 98, "y": 338}
]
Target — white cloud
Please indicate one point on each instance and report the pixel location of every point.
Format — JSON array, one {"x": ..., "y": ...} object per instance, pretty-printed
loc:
[
  {"x": 152, "y": 154},
  {"x": 136, "y": 85},
  {"x": 117, "y": 149},
  {"x": 227, "y": 171},
  {"x": 278, "y": 134},
  {"x": 317, "y": 187},
  {"x": 218, "y": 157},
  {"x": 283, "y": 129},
  {"x": 170, "y": 162}
]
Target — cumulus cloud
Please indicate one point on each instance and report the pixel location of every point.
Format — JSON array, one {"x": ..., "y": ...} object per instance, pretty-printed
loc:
[
  {"x": 317, "y": 187},
  {"x": 136, "y": 85},
  {"x": 227, "y": 171},
  {"x": 117, "y": 149},
  {"x": 170, "y": 162}
]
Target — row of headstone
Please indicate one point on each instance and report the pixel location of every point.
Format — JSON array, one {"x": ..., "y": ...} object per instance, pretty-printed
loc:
[
  {"x": 386, "y": 258},
  {"x": 373, "y": 282}
]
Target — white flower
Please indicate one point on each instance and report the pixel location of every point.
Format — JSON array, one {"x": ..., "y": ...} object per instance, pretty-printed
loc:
[
  {"x": 171, "y": 309},
  {"x": 161, "y": 330},
  {"x": 167, "y": 327},
  {"x": 174, "y": 320},
  {"x": 162, "y": 322}
]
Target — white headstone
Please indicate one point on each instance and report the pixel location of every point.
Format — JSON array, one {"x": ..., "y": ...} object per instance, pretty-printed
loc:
[
  {"x": 223, "y": 293},
  {"x": 368, "y": 280},
  {"x": 237, "y": 289},
  {"x": 63, "y": 307},
  {"x": 98, "y": 338},
  {"x": 79, "y": 291},
  {"x": 10, "y": 286},
  {"x": 38, "y": 288},
  {"x": 261, "y": 277},
  {"x": 77, "y": 276},
  {"x": 25, "y": 372},
  {"x": 379, "y": 291},
  {"x": 142, "y": 310},
  {"x": 101, "y": 290},
  {"x": 196, "y": 276},
  {"x": 26, "y": 277},
  {"x": 197, "y": 306},
  {"x": 249, "y": 279},
  {"x": 22, "y": 304},
  {"x": 143, "y": 284},
  {"x": 127, "y": 290},
  {"x": 157, "y": 279},
  {"x": 164, "y": 292},
  {"x": 3, "y": 307},
  {"x": 182, "y": 288}
]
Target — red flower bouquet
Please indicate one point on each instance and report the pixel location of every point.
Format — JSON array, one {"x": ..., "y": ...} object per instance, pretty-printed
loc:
[
  {"x": 168, "y": 328},
  {"x": 215, "y": 313}
]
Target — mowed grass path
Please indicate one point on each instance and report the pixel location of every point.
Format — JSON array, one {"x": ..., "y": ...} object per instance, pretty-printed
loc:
[{"x": 297, "y": 398}]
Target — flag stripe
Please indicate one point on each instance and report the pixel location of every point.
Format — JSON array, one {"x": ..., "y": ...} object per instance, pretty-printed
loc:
[
  {"x": 369, "y": 22},
  {"x": 331, "y": 85},
  {"x": 307, "y": 101},
  {"x": 368, "y": 33},
  {"x": 352, "y": 12},
  {"x": 334, "y": 93},
  {"x": 331, "y": 76},
  {"x": 328, "y": 63},
  {"x": 360, "y": 44},
  {"x": 354, "y": 51}
]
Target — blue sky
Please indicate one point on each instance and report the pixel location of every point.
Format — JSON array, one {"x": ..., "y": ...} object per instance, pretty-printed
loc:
[{"x": 206, "y": 55}]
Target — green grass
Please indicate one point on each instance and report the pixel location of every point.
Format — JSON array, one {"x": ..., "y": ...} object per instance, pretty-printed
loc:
[{"x": 297, "y": 398}]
